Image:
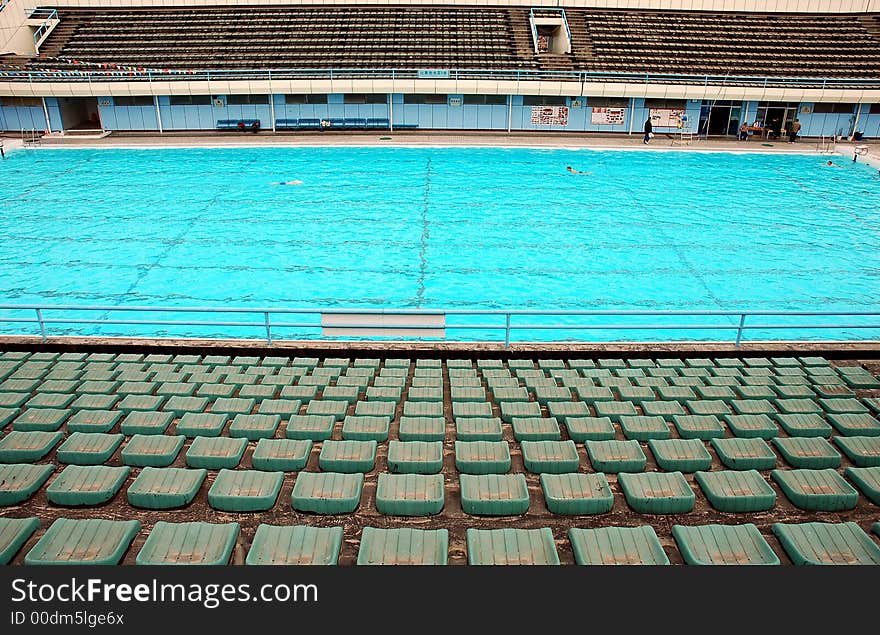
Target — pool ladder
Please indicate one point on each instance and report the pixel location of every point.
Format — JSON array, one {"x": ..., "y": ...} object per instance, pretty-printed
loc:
[
  {"x": 827, "y": 145},
  {"x": 30, "y": 137}
]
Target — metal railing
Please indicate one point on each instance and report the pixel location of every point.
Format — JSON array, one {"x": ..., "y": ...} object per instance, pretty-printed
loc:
[
  {"x": 506, "y": 320},
  {"x": 85, "y": 72},
  {"x": 50, "y": 18}
]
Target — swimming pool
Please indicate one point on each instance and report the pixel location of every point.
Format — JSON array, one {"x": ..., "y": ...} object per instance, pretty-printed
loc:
[{"x": 451, "y": 228}]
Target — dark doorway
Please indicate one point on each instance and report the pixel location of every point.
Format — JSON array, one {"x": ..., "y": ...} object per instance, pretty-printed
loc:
[{"x": 80, "y": 113}]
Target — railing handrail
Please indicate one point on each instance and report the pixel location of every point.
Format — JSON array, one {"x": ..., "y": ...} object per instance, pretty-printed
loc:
[
  {"x": 266, "y": 313},
  {"x": 95, "y": 72}
]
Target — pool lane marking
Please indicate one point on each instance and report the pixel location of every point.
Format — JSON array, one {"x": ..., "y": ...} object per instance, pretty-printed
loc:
[{"x": 423, "y": 239}]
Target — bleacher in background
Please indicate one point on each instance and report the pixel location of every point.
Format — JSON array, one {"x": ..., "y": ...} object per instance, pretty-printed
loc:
[{"x": 838, "y": 45}]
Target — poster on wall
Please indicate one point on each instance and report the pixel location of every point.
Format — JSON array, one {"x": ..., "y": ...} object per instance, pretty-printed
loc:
[
  {"x": 667, "y": 117},
  {"x": 550, "y": 115},
  {"x": 608, "y": 116}
]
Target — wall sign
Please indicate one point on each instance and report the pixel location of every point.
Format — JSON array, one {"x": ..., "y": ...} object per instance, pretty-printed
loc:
[
  {"x": 667, "y": 117},
  {"x": 105, "y": 101},
  {"x": 455, "y": 102},
  {"x": 432, "y": 73},
  {"x": 550, "y": 115},
  {"x": 608, "y": 116}
]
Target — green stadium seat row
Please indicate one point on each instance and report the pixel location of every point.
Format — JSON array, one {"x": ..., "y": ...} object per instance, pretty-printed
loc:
[
  {"x": 99, "y": 541},
  {"x": 416, "y": 487}
]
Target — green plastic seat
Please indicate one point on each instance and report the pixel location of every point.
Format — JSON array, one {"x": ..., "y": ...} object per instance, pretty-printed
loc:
[
  {"x": 494, "y": 494},
  {"x": 146, "y": 423},
  {"x": 511, "y": 409},
  {"x": 664, "y": 409},
  {"x": 482, "y": 457},
  {"x": 843, "y": 405},
  {"x": 55, "y": 401},
  {"x": 426, "y": 394},
  {"x": 83, "y": 486},
  {"x": 327, "y": 492},
  {"x": 423, "y": 408},
  {"x": 614, "y": 410},
  {"x": 680, "y": 455},
  {"x": 283, "y": 407},
  {"x": 302, "y": 394},
  {"x": 409, "y": 494},
  {"x": 642, "y": 428},
  {"x": 797, "y": 406},
  {"x": 582, "y": 429},
  {"x": 819, "y": 543},
  {"x": 310, "y": 427},
  {"x": 215, "y": 453},
  {"x": 464, "y": 394},
  {"x": 745, "y": 454},
  {"x": 752, "y": 426},
  {"x": 144, "y": 403},
  {"x": 365, "y": 428},
  {"x": 511, "y": 546},
  {"x": 152, "y": 450},
  {"x": 88, "y": 541},
  {"x": 415, "y": 457},
  {"x": 850, "y": 425},
  {"x": 348, "y": 457},
  {"x": 535, "y": 429},
  {"x": 804, "y": 425},
  {"x": 577, "y": 494},
  {"x": 245, "y": 490},
  {"x": 403, "y": 546},
  {"x": 708, "y": 408},
  {"x": 87, "y": 448},
  {"x": 93, "y": 421},
  {"x": 723, "y": 544},
  {"x": 478, "y": 429},
  {"x": 41, "y": 420},
  {"x": 616, "y": 456},
  {"x": 336, "y": 409},
  {"x": 166, "y": 487},
  {"x": 27, "y": 447},
  {"x": 816, "y": 490},
  {"x": 862, "y": 451},
  {"x": 807, "y": 452},
  {"x": 657, "y": 492},
  {"x": 560, "y": 410},
  {"x": 191, "y": 543},
  {"x": 617, "y": 546},
  {"x": 281, "y": 455},
  {"x": 593, "y": 394},
  {"x": 295, "y": 545},
  {"x": 550, "y": 457},
  {"x": 701, "y": 427},
  {"x": 737, "y": 491},
  {"x": 14, "y": 532},
  {"x": 202, "y": 424},
  {"x": 867, "y": 479},
  {"x": 422, "y": 428},
  {"x": 20, "y": 481},
  {"x": 254, "y": 427}
]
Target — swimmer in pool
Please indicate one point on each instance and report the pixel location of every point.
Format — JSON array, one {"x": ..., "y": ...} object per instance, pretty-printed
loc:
[
  {"x": 573, "y": 171},
  {"x": 294, "y": 182},
  {"x": 832, "y": 164}
]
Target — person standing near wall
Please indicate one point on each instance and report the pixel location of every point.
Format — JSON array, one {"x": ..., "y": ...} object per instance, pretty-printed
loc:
[
  {"x": 649, "y": 130},
  {"x": 794, "y": 130}
]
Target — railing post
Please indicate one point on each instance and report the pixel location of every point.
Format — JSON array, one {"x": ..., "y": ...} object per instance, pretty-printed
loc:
[
  {"x": 42, "y": 325},
  {"x": 268, "y": 328},
  {"x": 507, "y": 330},
  {"x": 739, "y": 331}
]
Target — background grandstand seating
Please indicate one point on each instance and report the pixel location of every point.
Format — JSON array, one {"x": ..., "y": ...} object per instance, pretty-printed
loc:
[{"x": 468, "y": 38}]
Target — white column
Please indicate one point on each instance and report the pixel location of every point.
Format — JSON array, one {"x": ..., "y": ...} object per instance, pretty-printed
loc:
[
  {"x": 509, "y": 112},
  {"x": 272, "y": 109},
  {"x": 46, "y": 113},
  {"x": 632, "y": 113},
  {"x": 158, "y": 113},
  {"x": 856, "y": 122},
  {"x": 391, "y": 112}
]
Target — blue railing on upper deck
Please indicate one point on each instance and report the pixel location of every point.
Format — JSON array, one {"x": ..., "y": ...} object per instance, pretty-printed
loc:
[
  {"x": 49, "y": 17},
  {"x": 43, "y": 320},
  {"x": 94, "y": 73}
]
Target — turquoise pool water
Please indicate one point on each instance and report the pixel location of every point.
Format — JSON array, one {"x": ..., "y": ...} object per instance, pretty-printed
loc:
[{"x": 454, "y": 228}]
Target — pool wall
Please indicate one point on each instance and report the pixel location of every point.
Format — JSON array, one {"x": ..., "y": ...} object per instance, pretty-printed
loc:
[{"x": 458, "y": 113}]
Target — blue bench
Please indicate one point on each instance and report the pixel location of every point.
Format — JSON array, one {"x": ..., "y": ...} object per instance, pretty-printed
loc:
[
  {"x": 286, "y": 124},
  {"x": 405, "y": 126},
  {"x": 239, "y": 124},
  {"x": 377, "y": 124},
  {"x": 309, "y": 124},
  {"x": 354, "y": 124}
]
